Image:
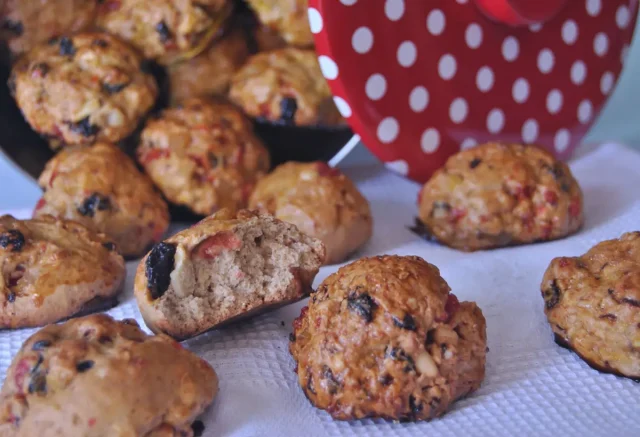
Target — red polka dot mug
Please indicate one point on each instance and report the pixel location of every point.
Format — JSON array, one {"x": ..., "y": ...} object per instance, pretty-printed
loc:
[{"x": 420, "y": 79}]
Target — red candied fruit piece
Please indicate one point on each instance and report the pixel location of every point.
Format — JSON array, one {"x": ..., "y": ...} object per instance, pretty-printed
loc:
[
  {"x": 153, "y": 154},
  {"x": 92, "y": 422},
  {"x": 112, "y": 5},
  {"x": 457, "y": 214},
  {"x": 551, "y": 197},
  {"x": 575, "y": 208},
  {"x": 41, "y": 203},
  {"x": 450, "y": 307},
  {"x": 323, "y": 169},
  {"x": 297, "y": 322},
  {"x": 564, "y": 262},
  {"x": 22, "y": 370},
  {"x": 216, "y": 244}
]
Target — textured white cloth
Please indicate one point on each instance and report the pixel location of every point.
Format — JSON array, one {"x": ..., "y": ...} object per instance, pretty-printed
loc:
[{"x": 532, "y": 386}]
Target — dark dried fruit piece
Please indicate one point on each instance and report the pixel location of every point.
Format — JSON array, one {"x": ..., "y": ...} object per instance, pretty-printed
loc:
[
  {"x": 159, "y": 265},
  {"x": 66, "y": 47},
  {"x": 113, "y": 88},
  {"x": 41, "y": 345},
  {"x": 475, "y": 162},
  {"x": 109, "y": 246},
  {"x": 632, "y": 302},
  {"x": 398, "y": 354},
  {"x": 551, "y": 295},
  {"x": 84, "y": 127},
  {"x": 292, "y": 337},
  {"x": 11, "y": 297},
  {"x": 362, "y": 304},
  {"x": 332, "y": 383},
  {"x": 14, "y": 27},
  {"x": 415, "y": 407},
  {"x": 213, "y": 160},
  {"x": 198, "y": 428},
  {"x": 288, "y": 109},
  {"x": 386, "y": 379},
  {"x": 38, "y": 381},
  {"x": 163, "y": 32},
  {"x": 93, "y": 203},
  {"x": 440, "y": 209},
  {"x": 100, "y": 43},
  {"x": 407, "y": 322},
  {"x": 83, "y": 366},
  {"x": 12, "y": 238}
]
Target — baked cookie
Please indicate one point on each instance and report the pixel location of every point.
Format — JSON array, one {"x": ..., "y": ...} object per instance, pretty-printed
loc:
[
  {"x": 593, "y": 304},
  {"x": 210, "y": 72},
  {"x": 101, "y": 188},
  {"x": 267, "y": 39},
  {"x": 203, "y": 155},
  {"x": 285, "y": 86},
  {"x": 321, "y": 201},
  {"x": 497, "y": 195},
  {"x": 226, "y": 267},
  {"x": 94, "y": 376},
  {"x": 289, "y": 18},
  {"x": 166, "y": 30},
  {"x": 84, "y": 88},
  {"x": 52, "y": 269},
  {"x": 27, "y": 23},
  {"x": 383, "y": 337}
]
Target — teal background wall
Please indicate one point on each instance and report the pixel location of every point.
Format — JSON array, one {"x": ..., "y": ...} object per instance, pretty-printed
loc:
[{"x": 620, "y": 121}]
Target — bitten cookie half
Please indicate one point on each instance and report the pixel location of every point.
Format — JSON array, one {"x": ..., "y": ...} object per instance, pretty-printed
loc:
[
  {"x": 497, "y": 195},
  {"x": 52, "y": 269},
  {"x": 82, "y": 89},
  {"x": 94, "y": 376},
  {"x": 382, "y": 337},
  {"x": 321, "y": 201},
  {"x": 226, "y": 267},
  {"x": 593, "y": 304},
  {"x": 101, "y": 188}
]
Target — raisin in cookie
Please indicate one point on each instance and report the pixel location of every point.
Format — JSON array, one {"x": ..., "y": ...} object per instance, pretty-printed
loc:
[
  {"x": 287, "y": 17},
  {"x": 94, "y": 376},
  {"x": 210, "y": 72},
  {"x": 285, "y": 86},
  {"x": 226, "y": 267},
  {"x": 101, "y": 188},
  {"x": 165, "y": 30},
  {"x": 51, "y": 269},
  {"x": 497, "y": 195},
  {"x": 593, "y": 304},
  {"x": 82, "y": 89},
  {"x": 321, "y": 202},
  {"x": 203, "y": 155},
  {"x": 27, "y": 23},
  {"x": 383, "y": 337}
]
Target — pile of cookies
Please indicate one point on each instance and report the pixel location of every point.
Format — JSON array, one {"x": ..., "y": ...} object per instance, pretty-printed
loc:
[{"x": 382, "y": 337}]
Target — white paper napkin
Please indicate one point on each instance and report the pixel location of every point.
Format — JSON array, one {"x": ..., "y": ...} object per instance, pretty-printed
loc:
[{"x": 532, "y": 386}]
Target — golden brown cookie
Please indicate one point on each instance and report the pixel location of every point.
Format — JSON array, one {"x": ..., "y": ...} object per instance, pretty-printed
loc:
[
  {"x": 497, "y": 195},
  {"x": 383, "y": 337},
  {"x": 226, "y": 267},
  {"x": 287, "y": 17},
  {"x": 203, "y": 155},
  {"x": 321, "y": 201},
  {"x": 94, "y": 376},
  {"x": 285, "y": 86},
  {"x": 593, "y": 304},
  {"x": 100, "y": 187},
  {"x": 210, "y": 72},
  {"x": 84, "y": 88},
  {"x": 51, "y": 269},
  {"x": 27, "y": 23},
  {"x": 165, "y": 30}
]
